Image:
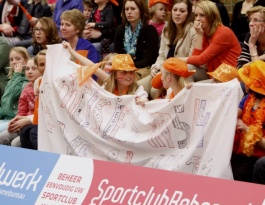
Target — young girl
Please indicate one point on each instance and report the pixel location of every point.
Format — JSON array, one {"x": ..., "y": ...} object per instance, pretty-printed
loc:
[
  {"x": 26, "y": 100},
  {"x": 158, "y": 13},
  {"x": 18, "y": 58},
  {"x": 107, "y": 65},
  {"x": 121, "y": 80},
  {"x": 173, "y": 77},
  {"x": 249, "y": 141},
  {"x": 28, "y": 125}
]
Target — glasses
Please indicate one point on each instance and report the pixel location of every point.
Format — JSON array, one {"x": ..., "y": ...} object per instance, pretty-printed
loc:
[
  {"x": 39, "y": 29},
  {"x": 255, "y": 20}
]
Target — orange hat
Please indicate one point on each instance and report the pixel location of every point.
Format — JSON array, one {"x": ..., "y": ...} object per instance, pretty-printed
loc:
[
  {"x": 114, "y": 2},
  {"x": 253, "y": 75},
  {"x": 224, "y": 73},
  {"x": 175, "y": 66},
  {"x": 153, "y": 2},
  {"x": 123, "y": 62}
]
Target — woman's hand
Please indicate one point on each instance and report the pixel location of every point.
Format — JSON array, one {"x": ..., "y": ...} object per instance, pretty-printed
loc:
[
  {"x": 7, "y": 29},
  {"x": 154, "y": 70},
  {"x": 198, "y": 27},
  {"x": 256, "y": 31}
]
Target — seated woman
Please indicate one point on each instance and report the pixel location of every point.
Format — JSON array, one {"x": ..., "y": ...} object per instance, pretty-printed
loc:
[
  {"x": 215, "y": 44},
  {"x": 71, "y": 28},
  {"x": 44, "y": 33},
  {"x": 177, "y": 40},
  {"x": 136, "y": 37},
  {"x": 254, "y": 44}
]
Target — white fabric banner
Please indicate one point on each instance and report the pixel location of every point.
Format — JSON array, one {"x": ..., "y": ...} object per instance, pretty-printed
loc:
[{"x": 192, "y": 133}]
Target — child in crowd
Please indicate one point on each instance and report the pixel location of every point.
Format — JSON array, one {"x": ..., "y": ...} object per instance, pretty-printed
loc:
[
  {"x": 18, "y": 58},
  {"x": 26, "y": 100},
  {"x": 89, "y": 5},
  {"x": 102, "y": 17},
  {"x": 121, "y": 80},
  {"x": 158, "y": 13},
  {"x": 107, "y": 65},
  {"x": 28, "y": 125},
  {"x": 249, "y": 141},
  {"x": 173, "y": 77}
]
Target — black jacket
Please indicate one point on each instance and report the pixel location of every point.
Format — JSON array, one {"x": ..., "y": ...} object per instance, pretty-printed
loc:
[{"x": 146, "y": 48}]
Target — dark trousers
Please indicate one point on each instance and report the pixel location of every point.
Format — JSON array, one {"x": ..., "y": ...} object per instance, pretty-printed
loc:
[
  {"x": 243, "y": 167},
  {"x": 29, "y": 137},
  {"x": 259, "y": 171}
]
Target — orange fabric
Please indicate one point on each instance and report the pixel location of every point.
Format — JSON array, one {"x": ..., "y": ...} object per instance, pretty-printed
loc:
[
  {"x": 221, "y": 47},
  {"x": 36, "y": 109},
  {"x": 83, "y": 53},
  {"x": 237, "y": 147}
]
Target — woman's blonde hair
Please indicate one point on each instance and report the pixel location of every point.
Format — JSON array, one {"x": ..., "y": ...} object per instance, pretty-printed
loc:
[
  {"x": 77, "y": 18},
  {"x": 212, "y": 15},
  {"x": 106, "y": 58},
  {"x": 256, "y": 9},
  {"x": 111, "y": 84},
  {"x": 25, "y": 54}
]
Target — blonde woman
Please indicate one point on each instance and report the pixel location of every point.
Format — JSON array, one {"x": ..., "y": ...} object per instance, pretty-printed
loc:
[
  {"x": 254, "y": 44},
  {"x": 215, "y": 43}
]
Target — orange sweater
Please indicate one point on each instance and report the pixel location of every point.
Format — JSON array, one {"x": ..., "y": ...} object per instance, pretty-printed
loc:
[{"x": 221, "y": 47}]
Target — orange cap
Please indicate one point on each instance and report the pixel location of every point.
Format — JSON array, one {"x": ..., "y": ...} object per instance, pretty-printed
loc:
[
  {"x": 153, "y": 2},
  {"x": 175, "y": 66},
  {"x": 224, "y": 73},
  {"x": 253, "y": 75},
  {"x": 123, "y": 62},
  {"x": 114, "y": 2}
]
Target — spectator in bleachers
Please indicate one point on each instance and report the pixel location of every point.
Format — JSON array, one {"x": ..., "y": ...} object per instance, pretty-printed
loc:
[
  {"x": 239, "y": 22},
  {"x": 26, "y": 100},
  {"x": 136, "y": 37},
  {"x": 64, "y": 5},
  {"x": 89, "y": 5},
  {"x": 102, "y": 18},
  {"x": 44, "y": 33},
  {"x": 215, "y": 43},
  {"x": 72, "y": 26},
  {"x": 10, "y": 19},
  {"x": 158, "y": 13},
  {"x": 177, "y": 40},
  {"x": 254, "y": 43},
  {"x": 18, "y": 58},
  {"x": 37, "y": 9},
  {"x": 4, "y": 62}
]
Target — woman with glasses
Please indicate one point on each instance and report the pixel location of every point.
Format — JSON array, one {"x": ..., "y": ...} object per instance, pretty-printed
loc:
[
  {"x": 254, "y": 44},
  {"x": 44, "y": 33},
  {"x": 215, "y": 43}
]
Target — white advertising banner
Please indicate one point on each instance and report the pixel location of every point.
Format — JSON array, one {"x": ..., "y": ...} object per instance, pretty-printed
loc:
[{"x": 192, "y": 133}]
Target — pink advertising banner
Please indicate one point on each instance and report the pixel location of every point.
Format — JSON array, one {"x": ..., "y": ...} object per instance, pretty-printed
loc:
[{"x": 44, "y": 178}]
